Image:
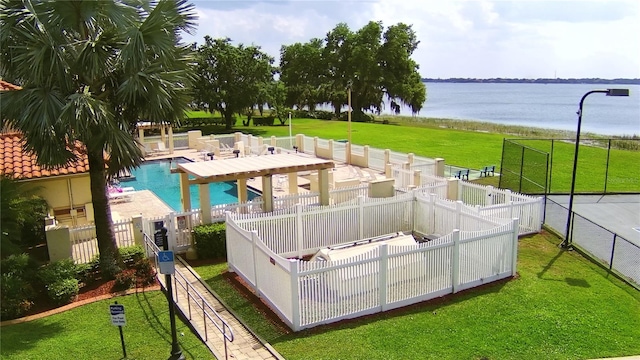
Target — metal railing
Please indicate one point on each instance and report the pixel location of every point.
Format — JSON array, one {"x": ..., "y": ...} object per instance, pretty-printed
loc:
[{"x": 208, "y": 312}]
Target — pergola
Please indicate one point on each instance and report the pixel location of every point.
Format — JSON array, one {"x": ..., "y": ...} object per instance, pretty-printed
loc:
[
  {"x": 241, "y": 169},
  {"x": 165, "y": 129}
]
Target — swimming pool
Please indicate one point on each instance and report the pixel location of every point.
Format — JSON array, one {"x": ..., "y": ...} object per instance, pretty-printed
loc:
[{"x": 155, "y": 175}]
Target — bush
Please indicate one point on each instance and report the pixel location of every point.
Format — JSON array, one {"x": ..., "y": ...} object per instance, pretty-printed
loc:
[
  {"x": 131, "y": 254},
  {"x": 15, "y": 297},
  {"x": 58, "y": 270},
  {"x": 323, "y": 115},
  {"x": 145, "y": 272},
  {"x": 210, "y": 240},
  {"x": 63, "y": 291},
  {"x": 125, "y": 280}
]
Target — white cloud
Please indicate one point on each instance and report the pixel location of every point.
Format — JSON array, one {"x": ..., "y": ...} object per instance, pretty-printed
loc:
[{"x": 474, "y": 38}]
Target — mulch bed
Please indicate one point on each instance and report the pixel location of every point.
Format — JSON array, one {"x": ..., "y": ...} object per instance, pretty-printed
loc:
[{"x": 96, "y": 290}]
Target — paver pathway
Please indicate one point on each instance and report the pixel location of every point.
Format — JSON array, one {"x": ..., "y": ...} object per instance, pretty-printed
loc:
[{"x": 244, "y": 346}]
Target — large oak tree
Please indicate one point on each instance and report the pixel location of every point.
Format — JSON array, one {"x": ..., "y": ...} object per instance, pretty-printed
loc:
[{"x": 231, "y": 78}]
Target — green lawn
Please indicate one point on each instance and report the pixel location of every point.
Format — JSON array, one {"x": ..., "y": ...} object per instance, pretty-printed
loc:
[
  {"x": 561, "y": 307},
  {"x": 86, "y": 333},
  {"x": 465, "y": 148}
]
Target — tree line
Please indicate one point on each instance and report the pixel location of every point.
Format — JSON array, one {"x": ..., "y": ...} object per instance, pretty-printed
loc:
[{"x": 366, "y": 65}]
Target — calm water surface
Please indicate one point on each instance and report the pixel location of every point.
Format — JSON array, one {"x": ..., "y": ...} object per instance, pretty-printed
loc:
[
  {"x": 155, "y": 175},
  {"x": 551, "y": 106}
]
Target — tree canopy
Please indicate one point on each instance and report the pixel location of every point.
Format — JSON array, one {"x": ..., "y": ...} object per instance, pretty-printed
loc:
[
  {"x": 372, "y": 62},
  {"x": 89, "y": 70},
  {"x": 232, "y": 78}
]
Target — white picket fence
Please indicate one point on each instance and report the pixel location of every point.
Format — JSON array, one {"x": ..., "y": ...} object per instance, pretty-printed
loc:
[
  {"x": 84, "y": 243},
  {"x": 504, "y": 203},
  {"x": 470, "y": 249}
]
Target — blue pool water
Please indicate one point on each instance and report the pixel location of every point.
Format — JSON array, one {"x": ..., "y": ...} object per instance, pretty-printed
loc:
[{"x": 155, "y": 175}]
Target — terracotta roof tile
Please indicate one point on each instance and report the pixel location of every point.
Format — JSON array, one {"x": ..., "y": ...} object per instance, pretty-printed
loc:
[
  {"x": 8, "y": 86},
  {"x": 19, "y": 165}
]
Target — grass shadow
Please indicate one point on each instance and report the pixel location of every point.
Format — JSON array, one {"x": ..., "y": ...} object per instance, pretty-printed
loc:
[{"x": 20, "y": 337}]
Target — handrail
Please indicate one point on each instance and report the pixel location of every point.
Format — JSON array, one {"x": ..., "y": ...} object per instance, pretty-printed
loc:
[{"x": 199, "y": 300}]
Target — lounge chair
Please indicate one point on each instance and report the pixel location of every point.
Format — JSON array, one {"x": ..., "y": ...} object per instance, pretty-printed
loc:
[{"x": 117, "y": 194}]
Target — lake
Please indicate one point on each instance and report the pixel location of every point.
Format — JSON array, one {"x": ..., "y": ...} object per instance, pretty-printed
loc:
[{"x": 552, "y": 106}]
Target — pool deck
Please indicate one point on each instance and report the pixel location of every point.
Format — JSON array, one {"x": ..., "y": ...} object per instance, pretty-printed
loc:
[{"x": 147, "y": 204}]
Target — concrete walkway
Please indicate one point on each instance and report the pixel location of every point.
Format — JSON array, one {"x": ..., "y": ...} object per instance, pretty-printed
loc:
[{"x": 245, "y": 344}]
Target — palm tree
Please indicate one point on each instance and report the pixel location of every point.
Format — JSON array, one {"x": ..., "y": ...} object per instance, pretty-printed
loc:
[{"x": 89, "y": 70}]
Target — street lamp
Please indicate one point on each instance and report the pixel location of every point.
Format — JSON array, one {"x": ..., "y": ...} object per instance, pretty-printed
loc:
[{"x": 609, "y": 92}]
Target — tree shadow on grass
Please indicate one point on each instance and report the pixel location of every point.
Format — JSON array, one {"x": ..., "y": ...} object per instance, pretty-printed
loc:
[
  {"x": 570, "y": 281},
  {"x": 20, "y": 337},
  {"x": 154, "y": 316}
]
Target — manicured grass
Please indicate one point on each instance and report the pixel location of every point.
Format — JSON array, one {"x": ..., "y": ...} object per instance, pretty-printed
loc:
[
  {"x": 86, "y": 333},
  {"x": 471, "y": 149},
  {"x": 561, "y": 307}
]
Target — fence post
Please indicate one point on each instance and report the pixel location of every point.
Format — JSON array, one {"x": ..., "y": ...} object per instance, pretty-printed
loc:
[
  {"x": 254, "y": 250},
  {"x": 59, "y": 243},
  {"x": 299, "y": 232},
  {"x": 365, "y": 155},
  {"x": 138, "y": 233},
  {"x": 315, "y": 146},
  {"x": 455, "y": 261},
  {"x": 295, "y": 299},
  {"x": 360, "y": 217},
  {"x": 514, "y": 255},
  {"x": 452, "y": 188},
  {"x": 439, "y": 167},
  {"x": 330, "y": 143},
  {"x": 613, "y": 250},
  {"x": 417, "y": 178},
  {"x": 410, "y": 158},
  {"x": 508, "y": 201},
  {"x": 382, "y": 280},
  {"x": 489, "y": 193},
  {"x": 169, "y": 220}
]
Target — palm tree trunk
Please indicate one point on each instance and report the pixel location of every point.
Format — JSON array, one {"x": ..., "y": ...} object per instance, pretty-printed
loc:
[{"x": 109, "y": 256}]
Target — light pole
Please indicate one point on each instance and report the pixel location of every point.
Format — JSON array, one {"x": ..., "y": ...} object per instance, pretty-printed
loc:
[
  {"x": 349, "y": 84},
  {"x": 290, "y": 141},
  {"x": 609, "y": 92}
]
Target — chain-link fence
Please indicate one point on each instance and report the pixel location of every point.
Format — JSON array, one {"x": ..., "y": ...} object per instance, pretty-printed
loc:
[
  {"x": 614, "y": 252},
  {"x": 524, "y": 169},
  {"x": 604, "y": 165}
]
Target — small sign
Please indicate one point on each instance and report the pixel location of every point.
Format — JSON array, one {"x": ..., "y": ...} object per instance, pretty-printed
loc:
[
  {"x": 117, "y": 315},
  {"x": 159, "y": 233},
  {"x": 182, "y": 222},
  {"x": 166, "y": 263}
]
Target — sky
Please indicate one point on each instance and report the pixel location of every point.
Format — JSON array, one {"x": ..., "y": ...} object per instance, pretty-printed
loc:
[{"x": 458, "y": 38}]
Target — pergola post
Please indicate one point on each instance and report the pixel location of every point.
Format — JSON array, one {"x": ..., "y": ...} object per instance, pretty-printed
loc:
[
  {"x": 293, "y": 182},
  {"x": 323, "y": 184},
  {"x": 205, "y": 203},
  {"x": 267, "y": 193},
  {"x": 170, "y": 139},
  {"x": 242, "y": 191},
  {"x": 185, "y": 195}
]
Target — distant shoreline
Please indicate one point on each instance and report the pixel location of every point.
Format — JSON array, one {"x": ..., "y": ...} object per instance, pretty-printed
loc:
[{"x": 624, "y": 81}]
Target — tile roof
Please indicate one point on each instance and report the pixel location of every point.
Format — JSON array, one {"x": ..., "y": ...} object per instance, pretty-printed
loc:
[
  {"x": 15, "y": 163},
  {"x": 8, "y": 86}
]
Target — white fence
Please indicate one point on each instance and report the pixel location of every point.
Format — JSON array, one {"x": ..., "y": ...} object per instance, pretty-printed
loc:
[
  {"x": 306, "y": 294},
  {"x": 84, "y": 243},
  {"x": 503, "y": 203},
  {"x": 179, "y": 228}
]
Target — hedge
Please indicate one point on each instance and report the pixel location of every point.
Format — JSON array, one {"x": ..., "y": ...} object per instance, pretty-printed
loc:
[{"x": 210, "y": 240}]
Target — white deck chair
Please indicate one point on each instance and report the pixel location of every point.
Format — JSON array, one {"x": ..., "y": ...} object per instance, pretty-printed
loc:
[{"x": 161, "y": 148}]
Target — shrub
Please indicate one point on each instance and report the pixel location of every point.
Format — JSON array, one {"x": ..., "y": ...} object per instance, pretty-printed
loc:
[
  {"x": 58, "y": 270},
  {"x": 15, "y": 297},
  {"x": 63, "y": 291},
  {"x": 145, "y": 272},
  {"x": 323, "y": 115},
  {"x": 125, "y": 280},
  {"x": 19, "y": 264},
  {"x": 131, "y": 254},
  {"x": 210, "y": 240}
]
